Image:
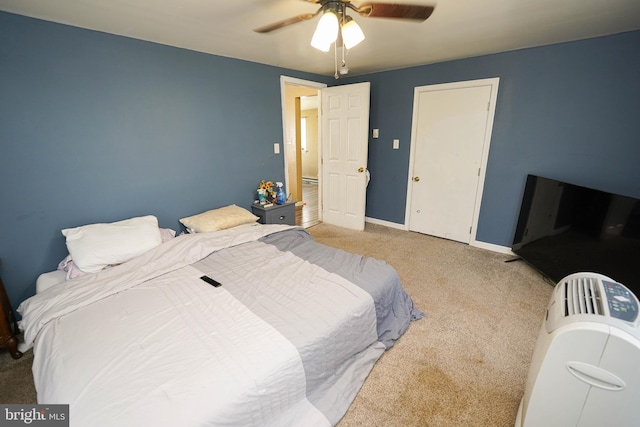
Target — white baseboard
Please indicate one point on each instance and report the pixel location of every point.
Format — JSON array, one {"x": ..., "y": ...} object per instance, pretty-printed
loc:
[
  {"x": 478, "y": 244},
  {"x": 386, "y": 223},
  {"x": 492, "y": 247}
]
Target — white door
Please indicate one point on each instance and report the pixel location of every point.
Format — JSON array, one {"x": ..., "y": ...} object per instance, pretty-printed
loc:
[
  {"x": 450, "y": 138},
  {"x": 344, "y": 134}
]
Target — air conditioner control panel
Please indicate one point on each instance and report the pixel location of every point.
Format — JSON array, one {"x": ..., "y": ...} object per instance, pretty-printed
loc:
[{"x": 622, "y": 303}]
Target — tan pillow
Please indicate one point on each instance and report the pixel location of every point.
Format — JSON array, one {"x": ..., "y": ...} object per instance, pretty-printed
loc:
[{"x": 218, "y": 219}]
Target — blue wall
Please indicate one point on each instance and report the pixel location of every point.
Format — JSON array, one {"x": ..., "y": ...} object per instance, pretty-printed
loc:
[
  {"x": 96, "y": 127},
  {"x": 569, "y": 111}
]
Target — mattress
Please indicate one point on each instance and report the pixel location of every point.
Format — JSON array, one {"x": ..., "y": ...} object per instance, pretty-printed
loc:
[
  {"x": 287, "y": 339},
  {"x": 47, "y": 280}
]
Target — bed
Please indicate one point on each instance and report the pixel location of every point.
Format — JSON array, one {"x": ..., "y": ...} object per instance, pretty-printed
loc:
[{"x": 288, "y": 337}]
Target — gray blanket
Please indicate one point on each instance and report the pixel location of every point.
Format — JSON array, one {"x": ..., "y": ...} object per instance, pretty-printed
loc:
[{"x": 394, "y": 309}]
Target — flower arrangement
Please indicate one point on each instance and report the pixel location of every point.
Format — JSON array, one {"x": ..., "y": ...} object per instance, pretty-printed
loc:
[{"x": 267, "y": 191}]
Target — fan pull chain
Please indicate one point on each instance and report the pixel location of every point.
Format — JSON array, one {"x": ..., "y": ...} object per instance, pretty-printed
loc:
[
  {"x": 343, "y": 66},
  {"x": 335, "y": 60}
]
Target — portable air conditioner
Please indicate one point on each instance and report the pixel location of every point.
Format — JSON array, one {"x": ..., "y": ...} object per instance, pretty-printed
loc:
[{"x": 585, "y": 369}]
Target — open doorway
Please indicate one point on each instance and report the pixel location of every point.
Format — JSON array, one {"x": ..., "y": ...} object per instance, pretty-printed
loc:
[
  {"x": 309, "y": 159},
  {"x": 300, "y": 117}
]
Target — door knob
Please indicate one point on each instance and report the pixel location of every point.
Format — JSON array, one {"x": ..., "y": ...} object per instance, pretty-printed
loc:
[
  {"x": 416, "y": 178},
  {"x": 360, "y": 169}
]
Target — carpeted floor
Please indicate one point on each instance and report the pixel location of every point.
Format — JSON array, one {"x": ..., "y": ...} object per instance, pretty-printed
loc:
[
  {"x": 16, "y": 382},
  {"x": 464, "y": 364}
]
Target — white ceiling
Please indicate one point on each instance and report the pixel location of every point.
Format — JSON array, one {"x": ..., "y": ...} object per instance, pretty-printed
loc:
[{"x": 457, "y": 28}]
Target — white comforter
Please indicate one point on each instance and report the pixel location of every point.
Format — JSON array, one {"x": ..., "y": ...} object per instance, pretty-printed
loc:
[{"x": 148, "y": 343}]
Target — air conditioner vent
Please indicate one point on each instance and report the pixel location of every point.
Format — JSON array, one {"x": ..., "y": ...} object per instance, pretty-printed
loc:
[{"x": 582, "y": 296}]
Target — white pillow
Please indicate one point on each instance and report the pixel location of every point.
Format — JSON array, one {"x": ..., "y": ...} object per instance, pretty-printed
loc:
[
  {"x": 218, "y": 219},
  {"x": 95, "y": 246}
]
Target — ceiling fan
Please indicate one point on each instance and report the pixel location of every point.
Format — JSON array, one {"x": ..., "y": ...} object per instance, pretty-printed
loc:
[
  {"x": 367, "y": 10},
  {"x": 335, "y": 26}
]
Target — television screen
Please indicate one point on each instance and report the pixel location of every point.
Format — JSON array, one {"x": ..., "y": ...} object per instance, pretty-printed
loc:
[{"x": 565, "y": 228}]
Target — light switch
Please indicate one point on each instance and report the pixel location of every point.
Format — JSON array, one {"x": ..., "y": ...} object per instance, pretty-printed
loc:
[
  {"x": 376, "y": 133},
  {"x": 396, "y": 144},
  {"x": 276, "y": 148}
]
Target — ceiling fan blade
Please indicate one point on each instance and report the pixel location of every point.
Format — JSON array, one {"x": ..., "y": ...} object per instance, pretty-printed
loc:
[
  {"x": 394, "y": 10},
  {"x": 284, "y": 23}
]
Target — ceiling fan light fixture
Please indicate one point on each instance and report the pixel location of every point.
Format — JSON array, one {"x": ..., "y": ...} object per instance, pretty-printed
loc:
[
  {"x": 337, "y": 28},
  {"x": 352, "y": 34},
  {"x": 326, "y": 31}
]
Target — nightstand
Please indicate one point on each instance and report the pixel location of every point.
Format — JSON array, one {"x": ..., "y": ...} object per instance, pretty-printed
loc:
[
  {"x": 8, "y": 325},
  {"x": 276, "y": 214}
]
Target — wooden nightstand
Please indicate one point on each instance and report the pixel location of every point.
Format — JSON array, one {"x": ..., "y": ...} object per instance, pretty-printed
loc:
[
  {"x": 8, "y": 325},
  {"x": 276, "y": 214}
]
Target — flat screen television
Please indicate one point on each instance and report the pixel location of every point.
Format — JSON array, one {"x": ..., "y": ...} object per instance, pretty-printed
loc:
[{"x": 565, "y": 228}]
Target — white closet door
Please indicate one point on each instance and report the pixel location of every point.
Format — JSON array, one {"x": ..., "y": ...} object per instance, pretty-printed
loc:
[{"x": 449, "y": 143}]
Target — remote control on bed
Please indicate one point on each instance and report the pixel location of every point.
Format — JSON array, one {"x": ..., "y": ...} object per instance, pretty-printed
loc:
[{"x": 210, "y": 281}]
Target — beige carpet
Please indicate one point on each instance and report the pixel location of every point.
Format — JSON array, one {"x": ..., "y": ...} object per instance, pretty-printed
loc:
[
  {"x": 464, "y": 364},
  {"x": 16, "y": 382}
]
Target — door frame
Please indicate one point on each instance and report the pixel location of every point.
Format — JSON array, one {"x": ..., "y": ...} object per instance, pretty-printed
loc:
[
  {"x": 293, "y": 81},
  {"x": 493, "y": 82}
]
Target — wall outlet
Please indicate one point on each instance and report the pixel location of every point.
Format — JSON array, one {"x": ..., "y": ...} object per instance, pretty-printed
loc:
[
  {"x": 276, "y": 148},
  {"x": 375, "y": 133},
  {"x": 396, "y": 144}
]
